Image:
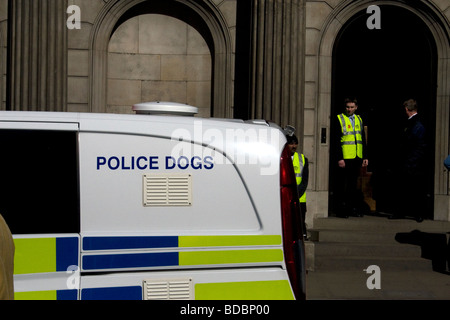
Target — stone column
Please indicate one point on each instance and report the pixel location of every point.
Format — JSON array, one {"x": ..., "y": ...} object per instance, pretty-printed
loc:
[
  {"x": 277, "y": 84},
  {"x": 38, "y": 55}
]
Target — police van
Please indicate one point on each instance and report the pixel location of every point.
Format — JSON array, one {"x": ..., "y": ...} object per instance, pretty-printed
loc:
[{"x": 150, "y": 207}]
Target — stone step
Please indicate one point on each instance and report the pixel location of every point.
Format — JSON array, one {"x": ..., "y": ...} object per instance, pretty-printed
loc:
[
  {"x": 374, "y": 223},
  {"x": 343, "y": 249},
  {"x": 353, "y": 236},
  {"x": 397, "y": 245},
  {"x": 395, "y": 285},
  {"x": 360, "y": 263},
  {"x": 414, "y": 237}
]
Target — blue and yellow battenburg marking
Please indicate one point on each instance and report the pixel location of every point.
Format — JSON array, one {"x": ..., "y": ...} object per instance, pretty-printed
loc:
[
  {"x": 47, "y": 295},
  {"x": 244, "y": 290},
  {"x": 40, "y": 255},
  {"x": 228, "y": 253},
  {"x": 178, "y": 258},
  {"x": 57, "y": 254},
  {"x": 43, "y": 255}
]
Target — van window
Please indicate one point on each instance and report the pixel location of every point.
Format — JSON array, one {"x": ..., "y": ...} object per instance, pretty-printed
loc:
[{"x": 39, "y": 181}]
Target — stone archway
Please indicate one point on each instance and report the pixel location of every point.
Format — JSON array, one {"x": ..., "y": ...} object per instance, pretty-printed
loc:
[
  {"x": 154, "y": 56},
  {"x": 220, "y": 41},
  {"x": 434, "y": 20}
]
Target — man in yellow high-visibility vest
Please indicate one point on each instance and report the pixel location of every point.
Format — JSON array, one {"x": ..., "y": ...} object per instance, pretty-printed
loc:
[
  {"x": 300, "y": 163},
  {"x": 351, "y": 156}
]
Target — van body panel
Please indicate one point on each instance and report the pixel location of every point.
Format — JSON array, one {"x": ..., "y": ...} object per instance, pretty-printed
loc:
[
  {"x": 213, "y": 284},
  {"x": 159, "y": 197},
  {"x": 116, "y": 164}
]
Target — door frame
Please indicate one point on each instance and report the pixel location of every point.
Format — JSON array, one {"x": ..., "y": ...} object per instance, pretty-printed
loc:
[{"x": 439, "y": 28}]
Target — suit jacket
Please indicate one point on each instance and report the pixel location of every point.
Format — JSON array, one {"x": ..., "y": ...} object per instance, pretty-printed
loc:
[{"x": 413, "y": 147}]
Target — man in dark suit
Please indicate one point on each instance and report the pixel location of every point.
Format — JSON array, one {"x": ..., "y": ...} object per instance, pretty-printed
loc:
[{"x": 412, "y": 180}]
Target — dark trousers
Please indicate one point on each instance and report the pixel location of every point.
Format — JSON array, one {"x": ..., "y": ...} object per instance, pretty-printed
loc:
[
  {"x": 303, "y": 212},
  {"x": 348, "y": 195},
  {"x": 411, "y": 196}
]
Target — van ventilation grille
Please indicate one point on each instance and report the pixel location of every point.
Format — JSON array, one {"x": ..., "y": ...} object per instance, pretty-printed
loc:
[
  {"x": 165, "y": 289},
  {"x": 167, "y": 190}
]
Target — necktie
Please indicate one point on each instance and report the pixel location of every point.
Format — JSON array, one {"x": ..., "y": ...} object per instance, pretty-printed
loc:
[{"x": 352, "y": 119}]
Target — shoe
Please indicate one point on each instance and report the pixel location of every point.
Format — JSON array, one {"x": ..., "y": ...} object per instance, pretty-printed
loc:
[
  {"x": 356, "y": 213},
  {"x": 419, "y": 219}
]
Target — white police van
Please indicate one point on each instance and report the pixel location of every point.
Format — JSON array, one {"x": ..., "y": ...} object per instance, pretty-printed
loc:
[{"x": 105, "y": 206}]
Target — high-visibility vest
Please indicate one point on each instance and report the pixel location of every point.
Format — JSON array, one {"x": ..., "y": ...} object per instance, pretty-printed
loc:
[
  {"x": 298, "y": 169},
  {"x": 351, "y": 140}
]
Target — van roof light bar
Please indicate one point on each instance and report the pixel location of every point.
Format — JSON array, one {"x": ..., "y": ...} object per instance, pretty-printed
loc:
[{"x": 165, "y": 108}]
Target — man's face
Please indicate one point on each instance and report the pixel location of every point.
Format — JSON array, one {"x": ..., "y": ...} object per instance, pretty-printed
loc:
[
  {"x": 350, "y": 108},
  {"x": 408, "y": 112},
  {"x": 293, "y": 147}
]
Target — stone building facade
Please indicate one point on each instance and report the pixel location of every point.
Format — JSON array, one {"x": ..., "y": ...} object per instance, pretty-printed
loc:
[{"x": 288, "y": 61}]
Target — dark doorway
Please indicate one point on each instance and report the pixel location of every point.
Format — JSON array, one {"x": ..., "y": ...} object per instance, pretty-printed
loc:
[{"x": 382, "y": 68}]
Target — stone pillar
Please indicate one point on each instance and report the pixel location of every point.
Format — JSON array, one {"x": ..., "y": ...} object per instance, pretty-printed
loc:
[
  {"x": 277, "y": 84},
  {"x": 38, "y": 55}
]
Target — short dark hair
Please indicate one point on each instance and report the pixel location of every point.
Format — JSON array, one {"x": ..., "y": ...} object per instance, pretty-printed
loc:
[
  {"x": 351, "y": 100},
  {"x": 292, "y": 139},
  {"x": 410, "y": 104}
]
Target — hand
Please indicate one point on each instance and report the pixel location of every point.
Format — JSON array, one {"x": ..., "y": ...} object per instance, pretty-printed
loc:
[
  {"x": 365, "y": 163},
  {"x": 341, "y": 163}
]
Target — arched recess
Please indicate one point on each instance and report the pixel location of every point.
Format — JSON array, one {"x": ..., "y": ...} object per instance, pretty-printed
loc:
[
  {"x": 217, "y": 36},
  {"x": 439, "y": 28}
]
